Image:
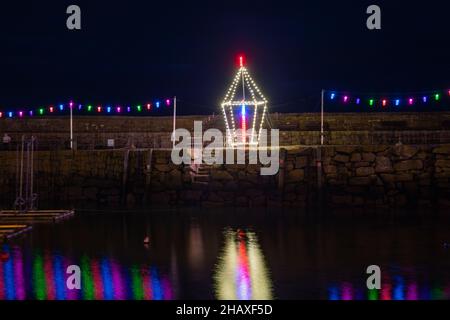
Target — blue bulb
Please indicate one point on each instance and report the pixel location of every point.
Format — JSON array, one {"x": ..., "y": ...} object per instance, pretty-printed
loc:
[
  {"x": 332, "y": 96},
  {"x": 10, "y": 114},
  {"x": 61, "y": 107},
  {"x": 243, "y": 110},
  {"x": 424, "y": 99},
  {"x": 157, "y": 104},
  {"x": 397, "y": 102},
  {"x": 108, "y": 109}
]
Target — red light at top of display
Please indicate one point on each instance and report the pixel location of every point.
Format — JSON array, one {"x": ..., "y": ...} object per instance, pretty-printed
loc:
[{"x": 241, "y": 61}]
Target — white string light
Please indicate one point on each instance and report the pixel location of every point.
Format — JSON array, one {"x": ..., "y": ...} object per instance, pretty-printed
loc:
[{"x": 230, "y": 101}]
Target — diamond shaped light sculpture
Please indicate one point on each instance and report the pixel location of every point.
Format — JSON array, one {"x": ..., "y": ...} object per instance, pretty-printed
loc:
[{"x": 244, "y": 109}]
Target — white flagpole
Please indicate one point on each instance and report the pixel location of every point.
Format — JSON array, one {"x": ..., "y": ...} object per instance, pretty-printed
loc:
[
  {"x": 174, "y": 119},
  {"x": 321, "y": 118},
  {"x": 71, "y": 125}
]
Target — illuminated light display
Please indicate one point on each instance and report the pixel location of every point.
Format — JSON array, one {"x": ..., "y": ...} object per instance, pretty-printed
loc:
[
  {"x": 383, "y": 100},
  {"x": 241, "y": 273},
  {"x": 61, "y": 109},
  {"x": 43, "y": 277},
  {"x": 244, "y": 106}
]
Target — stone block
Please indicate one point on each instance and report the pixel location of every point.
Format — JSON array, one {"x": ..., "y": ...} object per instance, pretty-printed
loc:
[
  {"x": 407, "y": 165},
  {"x": 383, "y": 165}
]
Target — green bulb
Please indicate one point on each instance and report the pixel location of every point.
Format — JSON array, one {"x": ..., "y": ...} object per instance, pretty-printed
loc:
[
  {"x": 89, "y": 108},
  {"x": 41, "y": 111},
  {"x": 436, "y": 96},
  {"x": 371, "y": 102},
  {"x": 139, "y": 108}
]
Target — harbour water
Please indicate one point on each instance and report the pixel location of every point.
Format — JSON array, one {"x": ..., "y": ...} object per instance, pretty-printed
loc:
[{"x": 230, "y": 254}]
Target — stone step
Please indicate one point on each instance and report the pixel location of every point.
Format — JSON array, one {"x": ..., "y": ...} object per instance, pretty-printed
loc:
[
  {"x": 203, "y": 178},
  {"x": 200, "y": 183}
]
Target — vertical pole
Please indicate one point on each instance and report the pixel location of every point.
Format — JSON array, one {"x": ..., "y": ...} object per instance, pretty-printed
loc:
[
  {"x": 174, "y": 119},
  {"x": 71, "y": 126},
  {"x": 243, "y": 124},
  {"x": 321, "y": 118}
]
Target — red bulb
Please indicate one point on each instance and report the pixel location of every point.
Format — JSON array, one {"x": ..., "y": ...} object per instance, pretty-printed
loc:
[
  {"x": 51, "y": 109},
  {"x": 384, "y": 103},
  {"x": 241, "y": 60}
]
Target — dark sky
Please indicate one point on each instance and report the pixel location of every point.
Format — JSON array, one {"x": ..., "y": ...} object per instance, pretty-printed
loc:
[{"x": 134, "y": 51}]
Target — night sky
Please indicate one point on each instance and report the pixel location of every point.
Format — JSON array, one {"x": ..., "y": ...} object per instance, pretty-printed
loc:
[{"x": 134, "y": 51}]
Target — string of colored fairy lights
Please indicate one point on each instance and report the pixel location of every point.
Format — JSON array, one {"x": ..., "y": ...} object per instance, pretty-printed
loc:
[
  {"x": 388, "y": 100},
  {"x": 148, "y": 108}
]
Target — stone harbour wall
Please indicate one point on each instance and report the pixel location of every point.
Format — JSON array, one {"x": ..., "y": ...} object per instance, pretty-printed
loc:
[
  {"x": 337, "y": 176},
  {"x": 93, "y": 132}
]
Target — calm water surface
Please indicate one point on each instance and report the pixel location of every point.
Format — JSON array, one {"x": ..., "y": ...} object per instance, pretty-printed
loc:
[{"x": 226, "y": 254}]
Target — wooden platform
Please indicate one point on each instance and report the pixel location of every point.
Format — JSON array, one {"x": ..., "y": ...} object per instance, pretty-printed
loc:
[
  {"x": 14, "y": 223},
  {"x": 8, "y": 231}
]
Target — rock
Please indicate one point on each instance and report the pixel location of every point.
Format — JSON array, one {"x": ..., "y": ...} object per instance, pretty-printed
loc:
[
  {"x": 374, "y": 148},
  {"x": 364, "y": 171},
  {"x": 369, "y": 157},
  {"x": 163, "y": 167},
  {"x": 404, "y": 177},
  {"x": 443, "y": 163},
  {"x": 301, "y": 162},
  {"x": 356, "y": 157},
  {"x": 361, "y": 164},
  {"x": 296, "y": 175},
  {"x": 330, "y": 169},
  {"x": 404, "y": 151},
  {"x": 345, "y": 149},
  {"x": 383, "y": 165},
  {"x": 221, "y": 175},
  {"x": 408, "y": 165},
  {"x": 387, "y": 177},
  {"x": 341, "y": 158},
  {"x": 360, "y": 181},
  {"x": 442, "y": 150}
]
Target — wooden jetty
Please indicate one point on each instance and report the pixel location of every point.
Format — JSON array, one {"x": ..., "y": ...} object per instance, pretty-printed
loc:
[{"x": 14, "y": 223}]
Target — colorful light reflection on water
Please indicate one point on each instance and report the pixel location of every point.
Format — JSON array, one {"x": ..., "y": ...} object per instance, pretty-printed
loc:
[
  {"x": 242, "y": 273},
  {"x": 397, "y": 289},
  {"x": 42, "y": 276}
]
